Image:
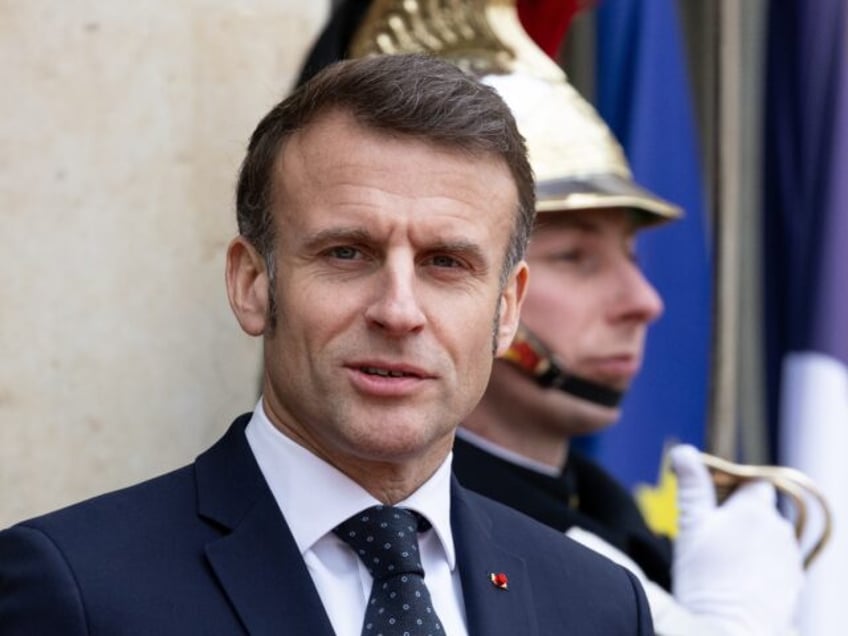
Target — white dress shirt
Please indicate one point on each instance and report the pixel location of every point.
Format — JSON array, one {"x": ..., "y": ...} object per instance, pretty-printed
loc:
[{"x": 315, "y": 497}]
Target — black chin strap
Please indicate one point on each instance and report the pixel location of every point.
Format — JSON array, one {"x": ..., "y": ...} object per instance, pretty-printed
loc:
[{"x": 534, "y": 358}]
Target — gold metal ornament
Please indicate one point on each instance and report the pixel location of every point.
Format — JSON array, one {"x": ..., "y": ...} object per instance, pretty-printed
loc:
[
  {"x": 482, "y": 37},
  {"x": 795, "y": 485}
]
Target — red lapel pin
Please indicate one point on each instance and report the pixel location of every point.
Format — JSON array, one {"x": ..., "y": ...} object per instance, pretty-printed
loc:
[{"x": 499, "y": 580}]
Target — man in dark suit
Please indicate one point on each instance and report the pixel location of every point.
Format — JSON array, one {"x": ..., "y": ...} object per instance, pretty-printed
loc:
[{"x": 383, "y": 209}]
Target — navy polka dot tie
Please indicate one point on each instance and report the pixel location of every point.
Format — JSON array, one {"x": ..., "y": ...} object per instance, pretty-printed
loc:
[{"x": 386, "y": 540}]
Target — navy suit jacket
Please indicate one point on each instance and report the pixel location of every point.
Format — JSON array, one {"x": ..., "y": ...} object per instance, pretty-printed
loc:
[{"x": 205, "y": 550}]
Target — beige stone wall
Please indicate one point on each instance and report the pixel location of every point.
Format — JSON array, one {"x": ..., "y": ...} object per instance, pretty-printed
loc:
[{"x": 122, "y": 124}]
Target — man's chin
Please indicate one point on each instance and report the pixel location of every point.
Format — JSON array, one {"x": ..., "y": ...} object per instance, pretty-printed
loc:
[{"x": 588, "y": 418}]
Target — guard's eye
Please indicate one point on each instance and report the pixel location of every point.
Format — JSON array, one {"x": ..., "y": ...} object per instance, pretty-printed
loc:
[{"x": 570, "y": 256}]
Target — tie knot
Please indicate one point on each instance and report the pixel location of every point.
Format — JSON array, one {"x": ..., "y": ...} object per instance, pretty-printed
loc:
[{"x": 386, "y": 540}]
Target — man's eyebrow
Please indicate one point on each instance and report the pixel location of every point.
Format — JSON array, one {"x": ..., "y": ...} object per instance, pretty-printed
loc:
[
  {"x": 338, "y": 235},
  {"x": 458, "y": 246}
]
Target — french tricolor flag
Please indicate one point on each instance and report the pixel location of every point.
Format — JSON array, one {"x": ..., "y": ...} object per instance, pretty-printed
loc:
[{"x": 806, "y": 270}]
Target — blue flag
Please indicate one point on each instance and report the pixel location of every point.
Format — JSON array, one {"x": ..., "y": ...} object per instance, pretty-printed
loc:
[
  {"x": 644, "y": 96},
  {"x": 806, "y": 271}
]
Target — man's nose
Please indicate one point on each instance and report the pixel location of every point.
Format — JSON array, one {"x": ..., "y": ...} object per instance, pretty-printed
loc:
[{"x": 395, "y": 304}]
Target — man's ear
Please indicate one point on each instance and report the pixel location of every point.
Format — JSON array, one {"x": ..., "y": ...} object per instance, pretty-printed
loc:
[
  {"x": 247, "y": 286},
  {"x": 512, "y": 298}
]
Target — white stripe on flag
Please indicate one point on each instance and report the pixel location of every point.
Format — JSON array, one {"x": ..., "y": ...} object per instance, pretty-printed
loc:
[{"x": 814, "y": 429}]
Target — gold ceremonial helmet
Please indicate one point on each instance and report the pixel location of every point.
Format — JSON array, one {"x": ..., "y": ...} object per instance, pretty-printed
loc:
[{"x": 578, "y": 163}]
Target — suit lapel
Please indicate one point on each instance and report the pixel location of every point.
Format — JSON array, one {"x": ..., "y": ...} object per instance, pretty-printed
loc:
[
  {"x": 489, "y": 609},
  {"x": 256, "y": 561}
]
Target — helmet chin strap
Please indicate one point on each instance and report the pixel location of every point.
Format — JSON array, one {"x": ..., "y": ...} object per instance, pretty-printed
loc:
[{"x": 539, "y": 362}]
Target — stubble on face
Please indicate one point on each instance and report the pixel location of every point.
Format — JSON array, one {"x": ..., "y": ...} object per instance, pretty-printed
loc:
[{"x": 411, "y": 203}]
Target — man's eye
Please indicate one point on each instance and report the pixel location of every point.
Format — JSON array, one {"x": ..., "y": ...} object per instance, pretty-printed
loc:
[
  {"x": 344, "y": 252},
  {"x": 442, "y": 260}
]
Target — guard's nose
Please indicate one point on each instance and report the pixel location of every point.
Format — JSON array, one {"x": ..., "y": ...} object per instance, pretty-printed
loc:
[{"x": 636, "y": 299}]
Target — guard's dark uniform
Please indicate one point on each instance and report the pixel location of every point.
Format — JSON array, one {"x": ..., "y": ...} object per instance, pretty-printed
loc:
[{"x": 583, "y": 495}]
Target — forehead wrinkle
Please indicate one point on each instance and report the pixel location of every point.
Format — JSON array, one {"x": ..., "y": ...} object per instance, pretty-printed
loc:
[
  {"x": 302, "y": 149},
  {"x": 291, "y": 168},
  {"x": 338, "y": 183},
  {"x": 343, "y": 186}
]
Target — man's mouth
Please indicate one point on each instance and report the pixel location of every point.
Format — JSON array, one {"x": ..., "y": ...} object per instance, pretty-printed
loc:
[
  {"x": 388, "y": 380},
  {"x": 386, "y": 373}
]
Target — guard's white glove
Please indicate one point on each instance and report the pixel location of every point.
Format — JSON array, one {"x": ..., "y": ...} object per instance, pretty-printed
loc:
[{"x": 737, "y": 565}]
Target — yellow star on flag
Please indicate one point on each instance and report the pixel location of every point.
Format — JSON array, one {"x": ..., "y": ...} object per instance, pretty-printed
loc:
[{"x": 659, "y": 503}]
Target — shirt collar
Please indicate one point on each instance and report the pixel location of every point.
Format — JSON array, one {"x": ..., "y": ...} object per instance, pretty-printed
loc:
[{"x": 315, "y": 497}]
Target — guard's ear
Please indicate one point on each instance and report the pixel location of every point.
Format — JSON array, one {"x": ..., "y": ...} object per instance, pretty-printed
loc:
[
  {"x": 247, "y": 286},
  {"x": 512, "y": 298}
]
